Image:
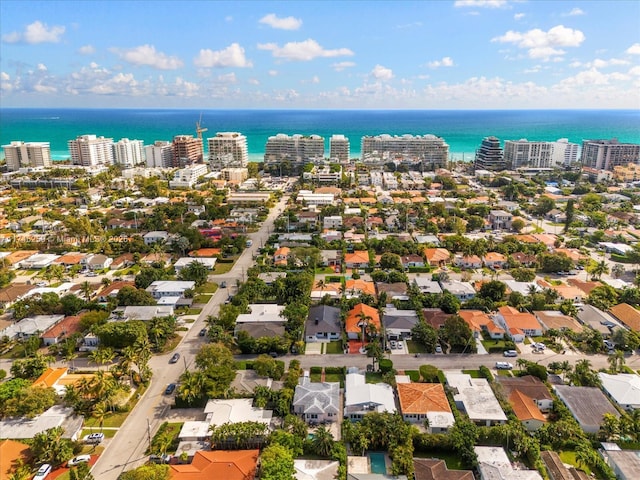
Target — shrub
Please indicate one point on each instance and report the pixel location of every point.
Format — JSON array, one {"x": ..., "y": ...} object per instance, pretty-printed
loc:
[
  {"x": 315, "y": 370},
  {"x": 429, "y": 373},
  {"x": 335, "y": 370},
  {"x": 386, "y": 365}
]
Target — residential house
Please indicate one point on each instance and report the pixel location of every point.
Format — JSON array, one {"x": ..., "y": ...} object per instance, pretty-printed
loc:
[
  {"x": 524, "y": 288},
  {"x": 437, "y": 257},
  {"x": 144, "y": 312},
  {"x": 123, "y": 261},
  {"x": 158, "y": 236},
  {"x": 209, "y": 263},
  {"x": 333, "y": 289},
  {"x": 281, "y": 256},
  {"x": 111, "y": 290},
  {"x": 427, "y": 285},
  {"x": 97, "y": 261},
  {"x": 330, "y": 258},
  {"x": 264, "y": 320},
  {"x": 530, "y": 386},
  {"x": 628, "y": 315},
  {"x": 38, "y": 261},
  {"x": 525, "y": 259},
  {"x": 494, "y": 464},
  {"x": 307, "y": 469},
  {"x": 398, "y": 323},
  {"x": 597, "y": 319},
  {"x": 358, "y": 259},
  {"x": 526, "y": 411},
  {"x": 557, "y": 470},
  {"x": 479, "y": 321},
  {"x": 323, "y": 324},
  {"x": 500, "y": 220},
  {"x": 587, "y": 405},
  {"x": 21, "y": 428},
  {"x": 61, "y": 330},
  {"x": 475, "y": 397},
  {"x": 30, "y": 326},
  {"x": 169, "y": 288},
  {"x": 393, "y": 291},
  {"x": 436, "y": 469},
  {"x": 409, "y": 261},
  {"x": 226, "y": 464},
  {"x": 568, "y": 292},
  {"x": 624, "y": 463},
  {"x": 518, "y": 324},
  {"x": 332, "y": 222},
  {"x": 425, "y": 401},
  {"x": 435, "y": 317},
  {"x": 12, "y": 454},
  {"x": 495, "y": 260},
  {"x": 205, "y": 252},
  {"x": 573, "y": 253},
  {"x": 468, "y": 261},
  {"x": 362, "y": 397},
  {"x": 317, "y": 402},
  {"x": 70, "y": 259},
  {"x": 463, "y": 291},
  {"x": 355, "y": 288},
  {"x": 585, "y": 286},
  {"x": 13, "y": 292},
  {"x": 623, "y": 389},
  {"x": 355, "y": 322},
  {"x": 555, "y": 320}
]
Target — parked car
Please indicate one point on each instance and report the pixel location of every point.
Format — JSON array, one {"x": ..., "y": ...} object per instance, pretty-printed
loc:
[
  {"x": 510, "y": 353},
  {"x": 504, "y": 366},
  {"x": 392, "y": 344},
  {"x": 92, "y": 274},
  {"x": 223, "y": 284},
  {"x": 203, "y": 332},
  {"x": 539, "y": 346},
  {"x": 166, "y": 458},
  {"x": 78, "y": 460},
  {"x": 438, "y": 349},
  {"x": 41, "y": 284},
  {"x": 170, "y": 388},
  {"x": 43, "y": 471},
  {"x": 174, "y": 358},
  {"x": 93, "y": 438},
  {"x": 399, "y": 345}
]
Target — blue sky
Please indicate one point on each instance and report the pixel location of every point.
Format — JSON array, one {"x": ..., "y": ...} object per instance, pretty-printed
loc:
[{"x": 465, "y": 54}]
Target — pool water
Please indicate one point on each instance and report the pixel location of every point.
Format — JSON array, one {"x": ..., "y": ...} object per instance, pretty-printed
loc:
[{"x": 378, "y": 463}]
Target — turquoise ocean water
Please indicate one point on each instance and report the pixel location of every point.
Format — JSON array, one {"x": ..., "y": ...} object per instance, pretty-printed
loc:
[{"x": 463, "y": 130}]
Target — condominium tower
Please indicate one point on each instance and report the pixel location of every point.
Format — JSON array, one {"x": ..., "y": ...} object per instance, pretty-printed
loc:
[
  {"x": 606, "y": 154},
  {"x": 430, "y": 150},
  {"x": 228, "y": 149},
  {"x": 522, "y": 153},
  {"x": 160, "y": 154},
  {"x": 91, "y": 151},
  {"x": 289, "y": 153},
  {"x": 489, "y": 156},
  {"x": 128, "y": 153},
  {"x": 30, "y": 154},
  {"x": 186, "y": 150},
  {"x": 339, "y": 148}
]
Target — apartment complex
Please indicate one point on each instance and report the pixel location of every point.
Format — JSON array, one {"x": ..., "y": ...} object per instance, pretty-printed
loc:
[
  {"x": 159, "y": 155},
  {"x": 228, "y": 149},
  {"x": 186, "y": 150},
  {"x": 128, "y": 153},
  {"x": 91, "y": 151},
  {"x": 30, "y": 154},
  {"x": 489, "y": 156},
  {"x": 607, "y": 154},
  {"x": 523, "y": 153},
  {"x": 430, "y": 150},
  {"x": 339, "y": 148},
  {"x": 187, "y": 177},
  {"x": 296, "y": 150}
]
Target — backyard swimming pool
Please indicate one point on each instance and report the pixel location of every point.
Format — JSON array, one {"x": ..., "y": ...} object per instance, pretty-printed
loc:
[{"x": 378, "y": 463}]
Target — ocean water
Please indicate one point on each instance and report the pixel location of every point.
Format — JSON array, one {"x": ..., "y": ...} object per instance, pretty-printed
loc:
[{"x": 463, "y": 130}]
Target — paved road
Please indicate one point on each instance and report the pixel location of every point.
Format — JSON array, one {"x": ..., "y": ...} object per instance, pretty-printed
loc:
[{"x": 126, "y": 449}]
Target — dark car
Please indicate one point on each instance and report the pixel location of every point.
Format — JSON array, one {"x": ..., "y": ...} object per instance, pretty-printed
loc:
[
  {"x": 203, "y": 332},
  {"x": 170, "y": 388},
  {"x": 175, "y": 358},
  {"x": 160, "y": 458}
]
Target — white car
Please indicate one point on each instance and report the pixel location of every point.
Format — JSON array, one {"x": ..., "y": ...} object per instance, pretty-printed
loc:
[
  {"x": 43, "y": 471},
  {"x": 93, "y": 438},
  {"x": 504, "y": 366},
  {"x": 78, "y": 460}
]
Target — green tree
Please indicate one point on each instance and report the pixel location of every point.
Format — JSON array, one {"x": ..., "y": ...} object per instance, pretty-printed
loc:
[
  {"x": 493, "y": 290},
  {"x": 449, "y": 303},
  {"x": 463, "y": 436},
  {"x": 569, "y": 215},
  {"x": 147, "y": 472},
  {"x": 276, "y": 463},
  {"x": 322, "y": 441},
  {"x": 458, "y": 335},
  {"x": 390, "y": 261},
  {"x": 603, "y": 297},
  {"x": 426, "y": 335},
  {"x": 50, "y": 447},
  {"x": 518, "y": 224},
  {"x": 196, "y": 272},
  {"x": 131, "y": 296},
  {"x": 597, "y": 269}
]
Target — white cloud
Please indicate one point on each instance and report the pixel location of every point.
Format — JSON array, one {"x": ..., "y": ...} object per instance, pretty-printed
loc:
[
  {"x": 518, "y": 16},
  {"x": 281, "y": 23},
  {"x": 635, "y": 71},
  {"x": 42, "y": 67},
  {"x": 47, "y": 89},
  {"x": 146, "y": 55},
  {"x": 634, "y": 49},
  {"x": 340, "y": 66},
  {"x": 445, "y": 62},
  {"x": 5, "y": 82},
  {"x": 574, "y": 13},
  {"x": 253, "y": 81},
  {"x": 273, "y": 73},
  {"x": 36, "y": 32},
  {"x": 228, "y": 78},
  {"x": 480, "y": 3},
  {"x": 120, "y": 83},
  {"x": 232, "y": 56},
  {"x": 382, "y": 73},
  {"x": 303, "y": 51},
  {"x": 541, "y": 44},
  {"x": 87, "y": 50}
]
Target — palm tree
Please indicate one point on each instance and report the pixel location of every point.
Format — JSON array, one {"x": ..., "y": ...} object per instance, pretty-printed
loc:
[
  {"x": 616, "y": 361},
  {"x": 100, "y": 412},
  {"x": 598, "y": 269},
  {"x": 617, "y": 270},
  {"x": 86, "y": 289},
  {"x": 191, "y": 386},
  {"x": 363, "y": 322},
  {"x": 322, "y": 441}
]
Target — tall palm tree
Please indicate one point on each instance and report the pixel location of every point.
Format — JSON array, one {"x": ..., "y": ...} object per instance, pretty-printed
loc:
[
  {"x": 322, "y": 441},
  {"x": 100, "y": 412},
  {"x": 86, "y": 289},
  {"x": 598, "y": 269}
]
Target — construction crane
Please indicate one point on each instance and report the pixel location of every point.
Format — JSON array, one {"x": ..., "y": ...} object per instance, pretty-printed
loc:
[{"x": 199, "y": 131}]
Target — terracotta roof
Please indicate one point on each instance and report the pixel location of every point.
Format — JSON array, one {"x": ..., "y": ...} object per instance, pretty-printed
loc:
[
  {"x": 524, "y": 407},
  {"x": 113, "y": 286},
  {"x": 352, "y": 323},
  {"x": 437, "y": 254},
  {"x": 218, "y": 464},
  {"x": 282, "y": 252},
  {"x": 205, "y": 252},
  {"x": 15, "y": 257},
  {"x": 12, "y": 292},
  {"x": 420, "y": 398},
  {"x": 361, "y": 285},
  {"x": 519, "y": 320},
  {"x": 436, "y": 469},
  {"x": 476, "y": 319},
  {"x": 627, "y": 315},
  {"x": 495, "y": 257},
  {"x": 435, "y": 317},
  {"x": 70, "y": 258},
  {"x": 586, "y": 287},
  {"x": 50, "y": 377},
  {"x": 68, "y": 326},
  {"x": 122, "y": 259},
  {"x": 359, "y": 256},
  {"x": 10, "y": 453},
  {"x": 568, "y": 291}
]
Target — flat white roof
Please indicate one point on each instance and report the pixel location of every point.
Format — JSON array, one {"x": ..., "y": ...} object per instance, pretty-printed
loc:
[
  {"x": 220, "y": 412},
  {"x": 476, "y": 396}
]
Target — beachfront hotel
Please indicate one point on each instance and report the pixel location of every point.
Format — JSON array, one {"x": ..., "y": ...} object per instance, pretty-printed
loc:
[
  {"x": 91, "y": 151},
  {"x": 607, "y": 154},
  {"x": 228, "y": 150},
  {"x": 296, "y": 150},
  {"x": 430, "y": 150},
  {"x": 490, "y": 156},
  {"x": 523, "y": 153},
  {"x": 128, "y": 153},
  {"x": 30, "y": 154}
]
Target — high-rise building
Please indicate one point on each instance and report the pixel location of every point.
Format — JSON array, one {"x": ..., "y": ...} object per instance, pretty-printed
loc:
[
  {"x": 186, "y": 150},
  {"x": 30, "y": 154},
  {"x": 429, "y": 150},
  {"x": 523, "y": 153},
  {"x": 289, "y": 153},
  {"x": 606, "y": 154},
  {"x": 228, "y": 149},
  {"x": 159, "y": 155},
  {"x": 339, "y": 148},
  {"x": 128, "y": 153},
  {"x": 91, "y": 151},
  {"x": 489, "y": 156}
]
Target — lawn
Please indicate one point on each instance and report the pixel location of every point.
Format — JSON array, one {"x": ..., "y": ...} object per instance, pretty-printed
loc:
[
  {"x": 473, "y": 373},
  {"x": 209, "y": 287},
  {"x": 315, "y": 377},
  {"x": 570, "y": 458},
  {"x": 414, "y": 375},
  {"x": 115, "y": 419},
  {"x": 202, "y": 298},
  {"x": 373, "y": 377},
  {"x": 170, "y": 429},
  {"x": 415, "y": 347},
  {"x": 505, "y": 373},
  {"x": 452, "y": 460},
  {"x": 494, "y": 344},
  {"x": 334, "y": 347},
  {"x": 108, "y": 433},
  {"x": 223, "y": 268},
  {"x": 190, "y": 311}
]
